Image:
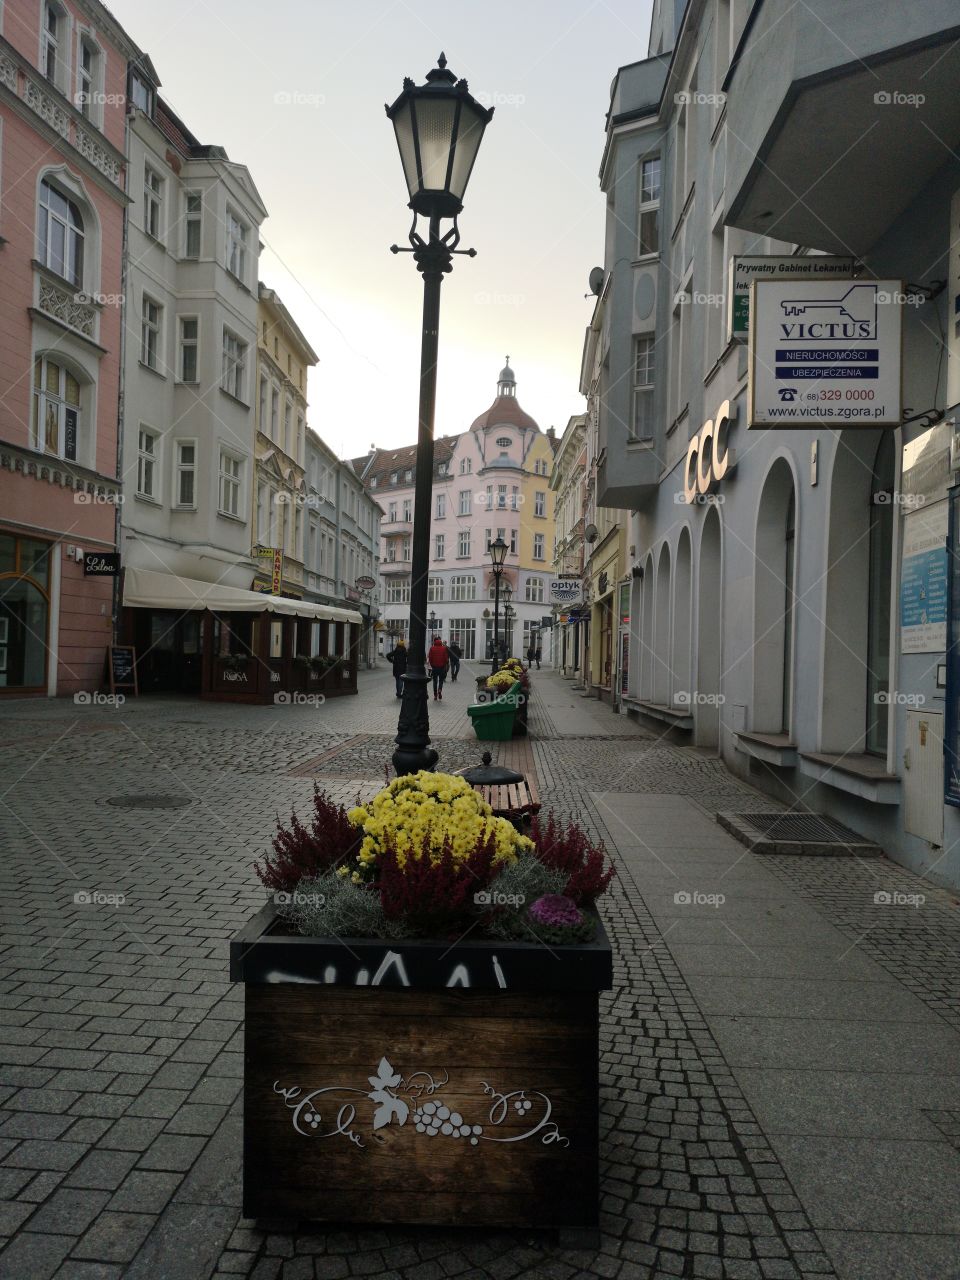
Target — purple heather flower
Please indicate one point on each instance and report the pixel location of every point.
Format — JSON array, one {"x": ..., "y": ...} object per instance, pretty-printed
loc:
[{"x": 555, "y": 908}]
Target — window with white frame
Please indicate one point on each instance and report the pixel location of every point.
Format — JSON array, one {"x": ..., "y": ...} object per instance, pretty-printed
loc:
[
  {"x": 641, "y": 428},
  {"x": 435, "y": 590},
  {"x": 189, "y": 348},
  {"x": 407, "y": 509},
  {"x": 88, "y": 79},
  {"x": 398, "y": 591},
  {"x": 148, "y": 451},
  {"x": 463, "y": 544},
  {"x": 513, "y": 542},
  {"x": 514, "y": 498},
  {"x": 54, "y": 32},
  {"x": 533, "y": 592},
  {"x": 151, "y": 322},
  {"x": 288, "y": 443},
  {"x": 539, "y": 547},
  {"x": 540, "y": 503},
  {"x": 405, "y": 548},
  {"x": 441, "y": 506},
  {"x": 56, "y": 409},
  {"x": 264, "y": 400},
  {"x": 391, "y": 512},
  {"x": 487, "y": 539},
  {"x": 275, "y": 413},
  {"x": 236, "y": 246},
  {"x": 60, "y": 234},
  {"x": 463, "y": 508},
  {"x": 503, "y": 442},
  {"x": 185, "y": 477},
  {"x": 141, "y": 94},
  {"x": 466, "y": 466},
  {"x": 648, "y": 224},
  {"x": 192, "y": 224},
  {"x": 439, "y": 545},
  {"x": 152, "y": 202},
  {"x": 463, "y": 587},
  {"x": 233, "y": 372},
  {"x": 231, "y": 479}
]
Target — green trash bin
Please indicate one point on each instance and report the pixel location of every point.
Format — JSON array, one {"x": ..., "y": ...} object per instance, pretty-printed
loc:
[{"x": 493, "y": 720}]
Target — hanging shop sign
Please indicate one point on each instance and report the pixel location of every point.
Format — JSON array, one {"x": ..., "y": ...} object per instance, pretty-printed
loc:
[
  {"x": 273, "y": 558},
  {"x": 101, "y": 564},
  {"x": 743, "y": 270},
  {"x": 566, "y": 591},
  {"x": 365, "y": 583},
  {"x": 825, "y": 353},
  {"x": 923, "y": 580},
  {"x": 709, "y": 456}
]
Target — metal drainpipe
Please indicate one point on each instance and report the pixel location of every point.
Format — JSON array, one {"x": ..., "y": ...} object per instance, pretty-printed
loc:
[{"x": 121, "y": 385}]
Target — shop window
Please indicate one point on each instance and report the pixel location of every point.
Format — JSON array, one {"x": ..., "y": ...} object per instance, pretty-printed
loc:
[
  {"x": 57, "y": 409},
  {"x": 24, "y": 611}
]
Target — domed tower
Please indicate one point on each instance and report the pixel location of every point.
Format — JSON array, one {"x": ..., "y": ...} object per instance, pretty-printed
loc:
[
  {"x": 505, "y": 410},
  {"x": 506, "y": 383}
]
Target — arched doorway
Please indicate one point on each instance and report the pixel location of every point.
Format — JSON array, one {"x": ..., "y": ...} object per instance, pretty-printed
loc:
[
  {"x": 709, "y": 634},
  {"x": 662, "y": 673},
  {"x": 773, "y": 612},
  {"x": 645, "y": 680},
  {"x": 682, "y": 607}
]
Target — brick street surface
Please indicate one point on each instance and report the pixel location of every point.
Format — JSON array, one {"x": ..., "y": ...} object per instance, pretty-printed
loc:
[{"x": 780, "y": 1052}]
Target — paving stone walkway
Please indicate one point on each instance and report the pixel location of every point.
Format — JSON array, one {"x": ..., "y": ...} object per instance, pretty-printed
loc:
[{"x": 780, "y": 1070}]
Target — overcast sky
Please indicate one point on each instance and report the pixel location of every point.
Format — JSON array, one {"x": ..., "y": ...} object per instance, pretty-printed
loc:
[{"x": 295, "y": 90}]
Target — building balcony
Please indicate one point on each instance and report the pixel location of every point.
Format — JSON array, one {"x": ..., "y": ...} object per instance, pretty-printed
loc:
[
  {"x": 395, "y": 567},
  {"x": 805, "y": 110},
  {"x": 395, "y": 528}
]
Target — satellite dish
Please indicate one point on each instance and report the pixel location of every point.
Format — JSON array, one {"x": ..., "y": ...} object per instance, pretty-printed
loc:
[
  {"x": 595, "y": 280},
  {"x": 590, "y": 533}
]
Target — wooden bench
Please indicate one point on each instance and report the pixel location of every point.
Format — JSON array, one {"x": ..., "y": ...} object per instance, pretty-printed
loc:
[{"x": 517, "y": 801}]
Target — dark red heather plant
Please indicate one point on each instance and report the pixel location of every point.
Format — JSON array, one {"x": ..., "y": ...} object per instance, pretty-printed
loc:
[
  {"x": 300, "y": 851},
  {"x": 434, "y": 896},
  {"x": 566, "y": 847}
]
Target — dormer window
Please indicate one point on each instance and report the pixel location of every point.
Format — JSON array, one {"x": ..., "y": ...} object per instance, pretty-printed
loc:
[{"x": 141, "y": 94}]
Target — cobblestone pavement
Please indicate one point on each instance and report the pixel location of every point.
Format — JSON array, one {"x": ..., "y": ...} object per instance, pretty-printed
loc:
[{"x": 120, "y": 1066}]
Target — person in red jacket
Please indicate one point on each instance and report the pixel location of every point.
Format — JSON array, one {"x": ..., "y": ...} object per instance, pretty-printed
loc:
[{"x": 439, "y": 659}]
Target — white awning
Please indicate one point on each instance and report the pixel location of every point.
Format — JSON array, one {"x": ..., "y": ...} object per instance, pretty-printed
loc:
[{"x": 146, "y": 589}]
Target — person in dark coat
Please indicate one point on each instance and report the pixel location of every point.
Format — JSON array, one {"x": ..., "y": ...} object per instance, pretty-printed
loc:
[
  {"x": 456, "y": 653},
  {"x": 439, "y": 660},
  {"x": 398, "y": 660},
  {"x": 531, "y": 654},
  {"x": 538, "y": 655}
]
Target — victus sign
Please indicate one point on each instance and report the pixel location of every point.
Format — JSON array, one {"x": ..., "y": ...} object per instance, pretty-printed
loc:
[
  {"x": 825, "y": 353},
  {"x": 709, "y": 456}
]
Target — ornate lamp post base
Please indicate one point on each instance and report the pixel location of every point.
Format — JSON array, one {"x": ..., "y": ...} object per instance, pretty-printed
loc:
[{"x": 413, "y": 751}]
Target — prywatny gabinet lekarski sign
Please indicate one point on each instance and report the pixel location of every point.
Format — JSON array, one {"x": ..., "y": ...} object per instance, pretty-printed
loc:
[{"x": 825, "y": 353}]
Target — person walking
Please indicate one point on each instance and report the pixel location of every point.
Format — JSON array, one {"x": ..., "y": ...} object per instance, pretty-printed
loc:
[
  {"x": 538, "y": 655},
  {"x": 531, "y": 654},
  {"x": 398, "y": 660},
  {"x": 439, "y": 659},
  {"x": 456, "y": 653}
]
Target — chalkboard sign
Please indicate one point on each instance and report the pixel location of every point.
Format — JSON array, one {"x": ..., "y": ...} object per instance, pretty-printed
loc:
[
  {"x": 101, "y": 564},
  {"x": 122, "y": 667}
]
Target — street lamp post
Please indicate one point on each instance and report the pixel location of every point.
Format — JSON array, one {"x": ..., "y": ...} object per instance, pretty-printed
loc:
[
  {"x": 508, "y": 627},
  {"x": 498, "y": 553},
  {"x": 438, "y": 127}
]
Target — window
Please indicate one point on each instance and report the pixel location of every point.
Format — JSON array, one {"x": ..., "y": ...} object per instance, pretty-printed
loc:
[
  {"x": 189, "y": 339},
  {"x": 264, "y": 395},
  {"x": 391, "y": 512},
  {"x": 439, "y": 545},
  {"x": 501, "y": 497},
  {"x": 394, "y": 477},
  {"x": 441, "y": 506},
  {"x": 463, "y": 631},
  {"x": 236, "y": 246},
  {"x": 275, "y": 414},
  {"x": 234, "y": 365},
  {"x": 514, "y": 498},
  {"x": 407, "y": 509},
  {"x": 192, "y": 222},
  {"x": 60, "y": 234},
  {"x": 231, "y": 471},
  {"x": 538, "y": 547},
  {"x": 513, "y": 542},
  {"x": 88, "y": 64},
  {"x": 463, "y": 544},
  {"x": 152, "y": 202},
  {"x": 533, "y": 592},
  {"x": 408, "y": 475},
  {"x": 147, "y": 456},
  {"x": 56, "y": 409},
  {"x": 142, "y": 94},
  {"x": 649, "y": 219},
  {"x": 288, "y": 443},
  {"x": 463, "y": 587},
  {"x": 435, "y": 590},
  {"x": 643, "y": 353},
  {"x": 51, "y": 42},
  {"x": 443, "y": 468},
  {"x": 487, "y": 539},
  {"x": 185, "y": 486},
  {"x": 151, "y": 316},
  {"x": 503, "y": 442},
  {"x": 398, "y": 591},
  {"x": 466, "y": 466},
  {"x": 405, "y": 548},
  {"x": 539, "y": 503},
  {"x": 301, "y": 437},
  {"x": 463, "y": 508},
  {"x": 540, "y": 467}
]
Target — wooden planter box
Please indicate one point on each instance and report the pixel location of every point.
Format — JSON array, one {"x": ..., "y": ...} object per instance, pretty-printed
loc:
[{"x": 419, "y": 1082}]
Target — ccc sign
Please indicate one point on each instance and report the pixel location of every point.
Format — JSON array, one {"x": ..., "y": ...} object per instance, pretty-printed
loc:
[{"x": 709, "y": 457}]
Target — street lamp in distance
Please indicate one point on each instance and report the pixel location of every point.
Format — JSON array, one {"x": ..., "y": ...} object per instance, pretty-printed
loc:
[
  {"x": 498, "y": 554},
  {"x": 438, "y": 127}
]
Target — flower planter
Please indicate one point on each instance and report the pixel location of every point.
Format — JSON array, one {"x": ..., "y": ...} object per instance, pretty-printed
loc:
[
  {"x": 419, "y": 1082},
  {"x": 493, "y": 721}
]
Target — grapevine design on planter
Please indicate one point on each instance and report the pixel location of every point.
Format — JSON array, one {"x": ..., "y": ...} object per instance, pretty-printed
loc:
[{"x": 331, "y": 1111}]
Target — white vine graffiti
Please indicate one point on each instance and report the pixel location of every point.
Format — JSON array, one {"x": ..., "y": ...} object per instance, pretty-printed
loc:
[{"x": 332, "y": 1111}]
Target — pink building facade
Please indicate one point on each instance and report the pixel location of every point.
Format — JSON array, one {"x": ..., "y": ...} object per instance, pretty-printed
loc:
[{"x": 63, "y": 92}]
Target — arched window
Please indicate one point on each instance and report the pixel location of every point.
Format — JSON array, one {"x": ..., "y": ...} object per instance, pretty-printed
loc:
[
  {"x": 57, "y": 420},
  {"x": 878, "y": 606},
  {"x": 60, "y": 234}
]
